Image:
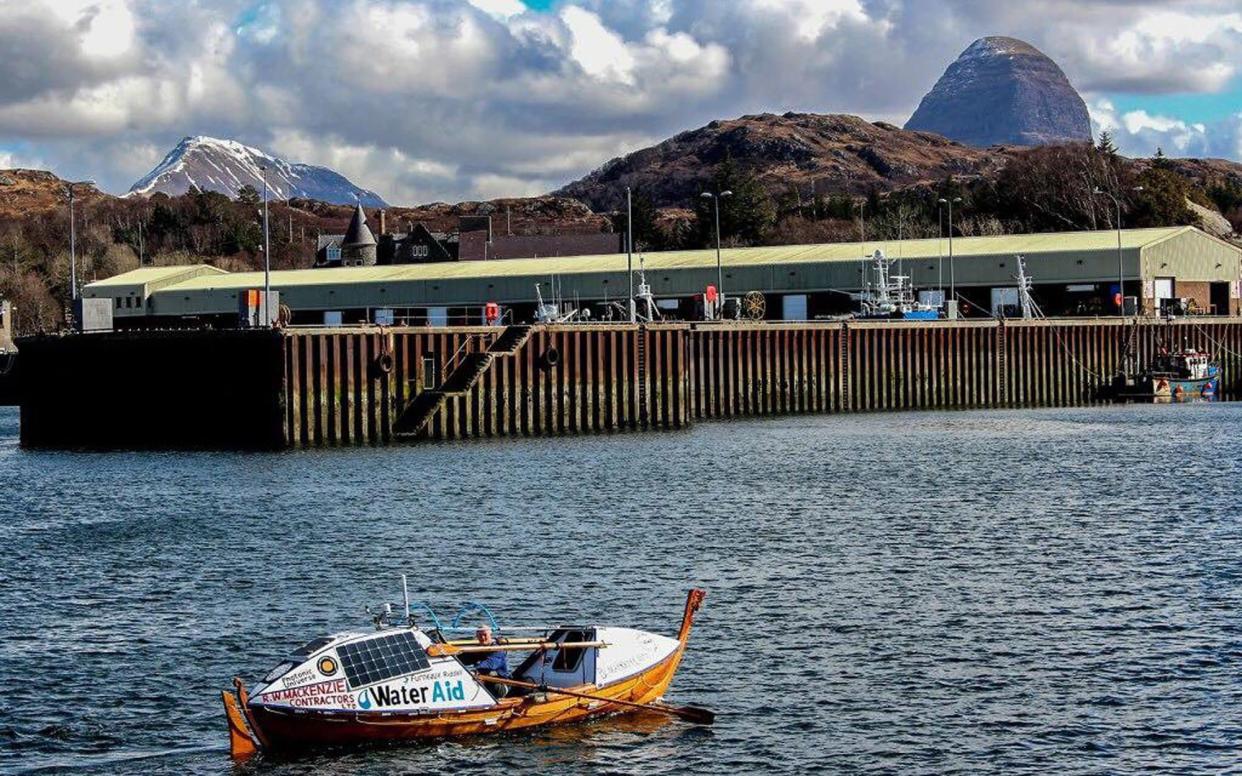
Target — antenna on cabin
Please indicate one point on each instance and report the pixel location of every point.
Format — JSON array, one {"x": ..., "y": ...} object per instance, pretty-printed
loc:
[{"x": 405, "y": 596}]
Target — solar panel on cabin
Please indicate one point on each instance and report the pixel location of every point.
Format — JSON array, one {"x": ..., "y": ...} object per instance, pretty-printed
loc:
[{"x": 374, "y": 660}]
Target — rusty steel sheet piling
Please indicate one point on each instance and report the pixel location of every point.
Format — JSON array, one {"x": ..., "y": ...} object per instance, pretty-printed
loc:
[
  {"x": 334, "y": 387},
  {"x": 350, "y": 388}
]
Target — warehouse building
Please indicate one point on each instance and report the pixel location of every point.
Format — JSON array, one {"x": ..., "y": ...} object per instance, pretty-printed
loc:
[{"x": 1073, "y": 274}]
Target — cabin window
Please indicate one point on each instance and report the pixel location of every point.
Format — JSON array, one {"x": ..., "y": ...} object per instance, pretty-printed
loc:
[
  {"x": 311, "y": 647},
  {"x": 569, "y": 659},
  {"x": 277, "y": 672},
  {"x": 334, "y": 253}
]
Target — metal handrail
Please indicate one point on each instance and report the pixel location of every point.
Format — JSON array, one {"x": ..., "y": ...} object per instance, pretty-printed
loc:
[{"x": 469, "y": 338}]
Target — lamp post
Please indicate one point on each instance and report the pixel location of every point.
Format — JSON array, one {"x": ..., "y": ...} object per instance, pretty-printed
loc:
[
  {"x": 1121, "y": 272},
  {"x": 715, "y": 198},
  {"x": 73, "y": 252},
  {"x": 73, "y": 240},
  {"x": 952, "y": 273},
  {"x": 863, "y": 282},
  {"x": 629, "y": 251},
  {"x": 940, "y": 251},
  {"x": 267, "y": 258}
]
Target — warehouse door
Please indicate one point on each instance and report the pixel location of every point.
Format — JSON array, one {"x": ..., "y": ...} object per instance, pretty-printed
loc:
[
  {"x": 1220, "y": 298},
  {"x": 1164, "y": 290},
  {"x": 793, "y": 307}
]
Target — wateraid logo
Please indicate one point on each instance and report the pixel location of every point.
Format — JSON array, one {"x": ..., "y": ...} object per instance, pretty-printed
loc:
[{"x": 440, "y": 692}]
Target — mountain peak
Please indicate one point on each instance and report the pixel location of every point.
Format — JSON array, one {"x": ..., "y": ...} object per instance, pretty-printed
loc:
[
  {"x": 225, "y": 166},
  {"x": 1001, "y": 45},
  {"x": 1003, "y": 91}
]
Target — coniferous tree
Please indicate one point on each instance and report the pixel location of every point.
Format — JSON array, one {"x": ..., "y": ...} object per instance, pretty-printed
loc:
[
  {"x": 1106, "y": 145},
  {"x": 746, "y": 215},
  {"x": 248, "y": 195},
  {"x": 647, "y": 232}
]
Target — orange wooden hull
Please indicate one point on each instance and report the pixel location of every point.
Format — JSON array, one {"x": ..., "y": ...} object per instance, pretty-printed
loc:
[
  {"x": 290, "y": 730},
  {"x": 305, "y": 729}
]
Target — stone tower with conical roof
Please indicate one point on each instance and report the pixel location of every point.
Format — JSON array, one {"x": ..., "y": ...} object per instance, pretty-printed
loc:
[{"x": 358, "y": 246}]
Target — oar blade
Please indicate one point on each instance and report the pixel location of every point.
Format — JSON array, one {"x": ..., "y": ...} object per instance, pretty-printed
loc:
[{"x": 696, "y": 714}]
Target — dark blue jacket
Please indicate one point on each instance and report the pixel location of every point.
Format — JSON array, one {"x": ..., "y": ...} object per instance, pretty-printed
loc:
[{"x": 494, "y": 662}]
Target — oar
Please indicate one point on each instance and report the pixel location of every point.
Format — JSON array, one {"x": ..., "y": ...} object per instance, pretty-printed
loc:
[
  {"x": 442, "y": 650},
  {"x": 698, "y": 716}
]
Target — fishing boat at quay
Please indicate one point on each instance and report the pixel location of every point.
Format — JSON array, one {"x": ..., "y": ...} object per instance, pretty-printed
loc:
[
  {"x": 402, "y": 682},
  {"x": 1184, "y": 375},
  {"x": 1173, "y": 374}
]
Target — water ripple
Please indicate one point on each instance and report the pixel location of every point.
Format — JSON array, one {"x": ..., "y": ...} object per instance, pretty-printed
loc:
[{"x": 1026, "y": 592}]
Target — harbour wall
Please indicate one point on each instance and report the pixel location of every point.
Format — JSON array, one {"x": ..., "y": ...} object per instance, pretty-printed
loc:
[
  {"x": 213, "y": 390},
  {"x": 8, "y": 379},
  {"x": 339, "y": 387}
]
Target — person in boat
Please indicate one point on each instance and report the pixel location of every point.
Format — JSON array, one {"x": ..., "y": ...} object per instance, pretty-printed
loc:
[{"x": 495, "y": 663}]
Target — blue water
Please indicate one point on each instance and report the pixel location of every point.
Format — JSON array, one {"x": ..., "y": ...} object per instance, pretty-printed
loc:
[{"x": 1023, "y": 592}]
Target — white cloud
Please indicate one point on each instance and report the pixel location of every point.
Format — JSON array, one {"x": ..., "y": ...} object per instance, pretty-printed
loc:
[
  {"x": 496, "y": 186},
  {"x": 597, "y": 50},
  {"x": 500, "y": 9},
  {"x": 103, "y": 29},
  {"x": 813, "y": 17},
  {"x": 445, "y": 99},
  {"x": 1139, "y": 133},
  {"x": 13, "y": 159}
]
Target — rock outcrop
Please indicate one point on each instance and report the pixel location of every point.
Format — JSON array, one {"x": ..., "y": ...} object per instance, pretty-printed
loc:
[
  {"x": 1003, "y": 91},
  {"x": 792, "y": 153}
]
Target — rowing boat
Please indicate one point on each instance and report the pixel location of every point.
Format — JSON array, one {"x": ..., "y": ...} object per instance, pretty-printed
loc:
[{"x": 402, "y": 682}]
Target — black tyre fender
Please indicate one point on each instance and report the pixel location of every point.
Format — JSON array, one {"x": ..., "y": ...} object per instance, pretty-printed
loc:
[{"x": 381, "y": 366}]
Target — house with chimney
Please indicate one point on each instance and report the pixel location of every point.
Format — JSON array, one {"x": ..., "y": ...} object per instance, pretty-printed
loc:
[
  {"x": 473, "y": 240},
  {"x": 356, "y": 248}
]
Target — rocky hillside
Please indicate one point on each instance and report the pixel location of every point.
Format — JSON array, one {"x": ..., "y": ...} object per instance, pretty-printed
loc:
[
  {"x": 225, "y": 166},
  {"x": 30, "y": 192},
  {"x": 525, "y": 215},
  {"x": 794, "y": 151},
  {"x": 1003, "y": 91}
]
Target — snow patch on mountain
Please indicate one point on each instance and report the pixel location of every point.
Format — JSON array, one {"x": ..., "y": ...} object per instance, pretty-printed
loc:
[{"x": 225, "y": 166}]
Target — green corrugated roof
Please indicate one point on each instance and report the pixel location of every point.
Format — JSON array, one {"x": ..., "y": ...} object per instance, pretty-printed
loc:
[
  {"x": 1009, "y": 245},
  {"x": 147, "y": 275}
]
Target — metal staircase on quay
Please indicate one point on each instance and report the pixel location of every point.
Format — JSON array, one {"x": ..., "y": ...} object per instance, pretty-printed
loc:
[{"x": 419, "y": 411}]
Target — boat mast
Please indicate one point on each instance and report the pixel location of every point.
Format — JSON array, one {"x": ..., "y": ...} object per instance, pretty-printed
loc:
[{"x": 1024, "y": 289}]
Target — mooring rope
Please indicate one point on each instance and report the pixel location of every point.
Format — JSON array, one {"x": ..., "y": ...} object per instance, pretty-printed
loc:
[
  {"x": 1081, "y": 367},
  {"x": 1215, "y": 342}
]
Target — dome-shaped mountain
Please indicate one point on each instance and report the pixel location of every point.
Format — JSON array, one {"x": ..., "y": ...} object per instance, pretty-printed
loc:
[{"x": 1003, "y": 91}]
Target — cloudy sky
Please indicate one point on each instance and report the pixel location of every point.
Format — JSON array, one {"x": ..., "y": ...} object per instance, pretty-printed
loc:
[{"x": 427, "y": 100}]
